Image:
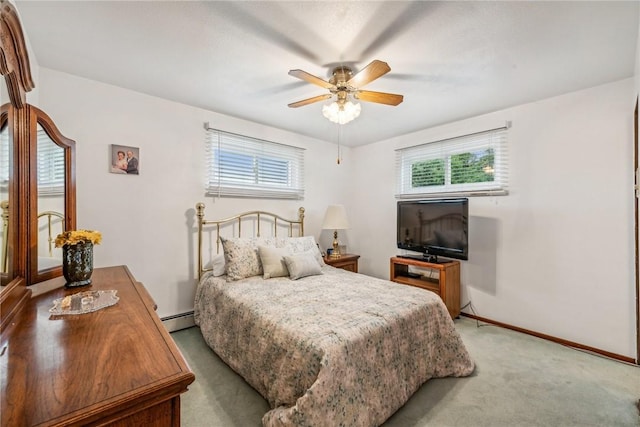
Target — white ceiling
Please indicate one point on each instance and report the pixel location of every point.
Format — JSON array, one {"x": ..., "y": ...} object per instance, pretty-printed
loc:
[{"x": 450, "y": 60}]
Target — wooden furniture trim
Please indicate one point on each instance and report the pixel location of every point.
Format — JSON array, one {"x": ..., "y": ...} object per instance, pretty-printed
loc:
[
  {"x": 109, "y": 366},
  {"x": 347, "y": 262},
  {"x": 14, "y": 295},
  {"x": 551, "y": 338},
  {"x": 447, "y": 286},
  {"x": 257, "y": 216},
  {"x": 14, "y": 58},
  {"x": 13, "y": 299}
]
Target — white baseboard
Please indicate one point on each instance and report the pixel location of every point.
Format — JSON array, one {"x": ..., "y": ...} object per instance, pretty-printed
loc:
[{"x": 179, "y": 321}]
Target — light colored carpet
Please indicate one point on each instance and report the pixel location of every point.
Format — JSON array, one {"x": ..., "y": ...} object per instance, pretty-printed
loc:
[{"x": 519, "y": 381}]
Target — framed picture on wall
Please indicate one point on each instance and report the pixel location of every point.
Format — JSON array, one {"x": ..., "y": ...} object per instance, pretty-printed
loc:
[{"x": 125, "y": 159}]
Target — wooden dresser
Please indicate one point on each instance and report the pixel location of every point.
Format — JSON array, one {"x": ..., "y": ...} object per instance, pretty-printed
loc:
[{"x": 117, "y": 366}]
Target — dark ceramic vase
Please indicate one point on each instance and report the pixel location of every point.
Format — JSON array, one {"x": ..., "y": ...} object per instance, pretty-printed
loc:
[{"x": 77, "y": 264}]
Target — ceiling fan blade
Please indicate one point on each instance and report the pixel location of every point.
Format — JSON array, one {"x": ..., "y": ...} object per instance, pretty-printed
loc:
[
  {"x": 310, "y": 100},
  {"x": 303, "y": 75},
  {"x": 369, "y": 73},
  {"x": 379, "y": 97}
]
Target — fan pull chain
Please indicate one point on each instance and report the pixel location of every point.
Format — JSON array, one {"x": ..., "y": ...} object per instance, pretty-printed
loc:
[{"x": 340, "y": 133}]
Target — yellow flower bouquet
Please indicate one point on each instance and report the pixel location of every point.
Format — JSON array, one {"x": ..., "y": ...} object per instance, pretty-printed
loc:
[{"x": 73, "y": 237}]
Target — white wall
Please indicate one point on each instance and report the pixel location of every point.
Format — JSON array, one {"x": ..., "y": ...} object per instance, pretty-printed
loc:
[
  {"x": 147, "y": 221},
  {"x": 556, "y": 255}
]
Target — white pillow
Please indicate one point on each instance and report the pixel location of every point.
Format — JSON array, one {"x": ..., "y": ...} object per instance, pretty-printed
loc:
[
  {"x": 272, "y": 259},
  {"x": 302, "y": 265},
  {"x": 217, "y": 265}
]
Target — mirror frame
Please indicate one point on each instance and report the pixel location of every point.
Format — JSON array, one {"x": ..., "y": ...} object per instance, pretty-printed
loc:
[
  {"x": 14, "y": 58},
  {"x": 39, "y": 117},
  {"x": 14, "y": 294}
]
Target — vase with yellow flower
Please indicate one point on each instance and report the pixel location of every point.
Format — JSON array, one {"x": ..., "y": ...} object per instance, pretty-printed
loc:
[{"x": 77, "y": 255}]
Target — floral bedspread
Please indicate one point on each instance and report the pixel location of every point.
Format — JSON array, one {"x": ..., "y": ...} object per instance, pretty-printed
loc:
[{"x": 337, "y": 349}]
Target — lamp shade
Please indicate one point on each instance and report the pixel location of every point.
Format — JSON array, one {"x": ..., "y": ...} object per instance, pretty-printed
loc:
[{"x": 335, "y": 218}]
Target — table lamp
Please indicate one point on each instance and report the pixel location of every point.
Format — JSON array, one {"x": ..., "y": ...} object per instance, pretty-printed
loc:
[{"x": 335, "y": 218}]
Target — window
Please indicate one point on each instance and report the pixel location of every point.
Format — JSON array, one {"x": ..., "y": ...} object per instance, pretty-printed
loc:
[
  {"x": 50, "y": 159},
  {"x": 240, "y": 166},
  {"x": 4, "y": 159},
  {"x": 472, "y": 164}
]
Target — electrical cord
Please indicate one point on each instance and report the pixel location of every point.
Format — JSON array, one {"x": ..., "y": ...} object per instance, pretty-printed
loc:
[{"x": 475, "y": 314}]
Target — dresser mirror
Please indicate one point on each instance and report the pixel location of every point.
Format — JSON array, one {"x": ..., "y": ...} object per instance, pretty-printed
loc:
[
  {"x": 41, "y": 166},
  {"x": 50, "y": 201},
  {"x": 52, "y": 195},
  {"x": 6, "y": 273}
]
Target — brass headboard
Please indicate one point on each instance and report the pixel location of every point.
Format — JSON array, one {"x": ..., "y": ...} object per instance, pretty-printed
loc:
[
  {"x": 49, "y": 215},
  {"x": 257, "y": 217},
  {"x": 5, "y": 238},
  {"x": 5, "y": 222}
]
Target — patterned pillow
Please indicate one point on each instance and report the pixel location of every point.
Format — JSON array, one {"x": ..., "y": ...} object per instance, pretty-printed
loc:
[
  {"x": 301, "y": 244},
  {"x": 301, "y": 265},
  {"x": 241, "y": 256}
]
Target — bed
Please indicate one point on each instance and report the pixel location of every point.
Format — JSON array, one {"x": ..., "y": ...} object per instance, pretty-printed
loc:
[
  {"x": 47, "y": 221},
  {"x": 50, "y": 224},
  {"x": 327, "y": 348}
]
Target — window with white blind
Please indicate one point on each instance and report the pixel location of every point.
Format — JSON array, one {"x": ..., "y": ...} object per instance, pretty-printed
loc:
[
  {"x": 240, "y": 166},
  {"x": 4, "y": 160},
  {"x": 50, "y": 159},
  {"x": 475, "y": 164}
]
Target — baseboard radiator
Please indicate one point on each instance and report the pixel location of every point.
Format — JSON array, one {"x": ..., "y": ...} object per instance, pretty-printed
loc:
[{"x": 178, "y": 321}]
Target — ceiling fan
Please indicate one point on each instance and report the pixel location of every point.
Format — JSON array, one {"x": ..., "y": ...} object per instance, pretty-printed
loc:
[{"x": 344, "y": 83}]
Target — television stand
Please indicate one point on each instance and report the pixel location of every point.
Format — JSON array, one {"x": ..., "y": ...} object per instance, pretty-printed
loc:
[
  {"x": 446, "y": 283},
  {"x": 433, "y": 259}
]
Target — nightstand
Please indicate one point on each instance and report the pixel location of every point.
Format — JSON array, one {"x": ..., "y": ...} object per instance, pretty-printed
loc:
[{"x": 347, "y": 262}]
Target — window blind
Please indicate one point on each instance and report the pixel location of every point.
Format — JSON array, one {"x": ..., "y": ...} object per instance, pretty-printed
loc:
[
  {"x": 475, "y": 164},
  {"x": 4, "y": 158},
  {"x": 50, "y": 165},
  {"x": 241, "y": 166}
]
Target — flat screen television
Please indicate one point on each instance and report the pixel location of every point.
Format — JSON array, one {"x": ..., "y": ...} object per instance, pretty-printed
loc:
[{"x": 434, "y": 227}]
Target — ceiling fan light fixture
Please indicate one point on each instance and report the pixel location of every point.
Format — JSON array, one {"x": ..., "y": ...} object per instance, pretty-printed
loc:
[{"x": 341, "y": 113}]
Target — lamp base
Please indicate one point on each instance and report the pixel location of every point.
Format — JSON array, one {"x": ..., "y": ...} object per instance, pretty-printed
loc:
[{"x": 336, "y": 247}]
